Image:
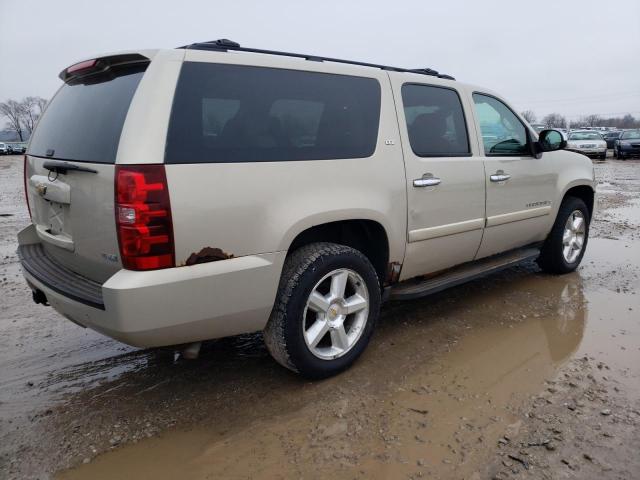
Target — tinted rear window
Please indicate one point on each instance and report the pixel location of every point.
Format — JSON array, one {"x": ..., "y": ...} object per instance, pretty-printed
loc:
[
  {"x": 435, "y": 121},
  {"x": 230, "y": 113},
  {"x": 83, "y": 122}
]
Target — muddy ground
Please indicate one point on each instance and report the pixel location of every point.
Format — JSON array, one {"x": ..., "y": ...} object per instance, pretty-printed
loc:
[{"x": 518, "y": 375}]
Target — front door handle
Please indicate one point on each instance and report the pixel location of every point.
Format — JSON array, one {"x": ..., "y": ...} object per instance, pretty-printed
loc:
[
  {"x": 426, "y": 181},
  {"x": 500, "y": 176}
]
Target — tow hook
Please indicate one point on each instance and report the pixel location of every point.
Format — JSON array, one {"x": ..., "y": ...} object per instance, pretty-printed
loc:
[{"x": 39, "y": 297}]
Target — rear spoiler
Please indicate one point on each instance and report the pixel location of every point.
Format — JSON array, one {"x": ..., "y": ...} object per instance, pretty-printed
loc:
[{"x": 101, "y": 65}]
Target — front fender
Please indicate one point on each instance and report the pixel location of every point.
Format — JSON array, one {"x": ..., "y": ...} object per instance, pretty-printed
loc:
[{"x": 577, "y": 170}]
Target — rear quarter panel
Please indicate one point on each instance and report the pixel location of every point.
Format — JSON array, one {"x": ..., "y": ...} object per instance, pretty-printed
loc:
[{"x": 260, "y": 207}]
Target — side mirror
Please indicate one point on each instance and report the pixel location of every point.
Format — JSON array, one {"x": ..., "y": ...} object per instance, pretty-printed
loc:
[{"x": 549, "y": 141}]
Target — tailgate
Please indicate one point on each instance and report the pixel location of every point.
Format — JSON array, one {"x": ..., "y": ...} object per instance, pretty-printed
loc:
[
  {"x": 70, "y": 164},
  {"x": 74, "y": 215}
]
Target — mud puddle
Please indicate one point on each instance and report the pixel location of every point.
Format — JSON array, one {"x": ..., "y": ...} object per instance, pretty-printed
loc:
[{"x": 413, "y": 412}]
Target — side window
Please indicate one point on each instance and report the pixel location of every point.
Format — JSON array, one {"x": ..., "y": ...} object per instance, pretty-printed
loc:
[
  {"x": 435, "y": 121},
  {"x": 216, "y": 112},
  {"x": 300, "y": 120},
  {"x": 502, "y": 132},
  {"x": 234, "y": 113}
]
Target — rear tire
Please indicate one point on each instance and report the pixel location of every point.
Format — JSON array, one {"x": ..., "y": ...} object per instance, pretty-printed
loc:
[
  {"x": 564, "y": 248},
  {"x": 325, "y": 312}
]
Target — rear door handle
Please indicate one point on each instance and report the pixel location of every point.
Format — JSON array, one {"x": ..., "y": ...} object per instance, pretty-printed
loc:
[
  {"x": 500, "y": 176},
  {"x": 426, "y": 182}
]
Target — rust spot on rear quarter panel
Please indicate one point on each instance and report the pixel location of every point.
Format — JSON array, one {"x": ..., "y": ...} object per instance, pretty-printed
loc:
[{"x": 206, "y": 255}]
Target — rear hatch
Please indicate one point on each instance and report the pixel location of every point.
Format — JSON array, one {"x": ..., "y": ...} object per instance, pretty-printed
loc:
[{"x": 70, "y": 164}]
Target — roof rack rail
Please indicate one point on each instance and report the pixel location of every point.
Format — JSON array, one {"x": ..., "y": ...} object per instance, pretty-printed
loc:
[{"x": 224, "y": 45}]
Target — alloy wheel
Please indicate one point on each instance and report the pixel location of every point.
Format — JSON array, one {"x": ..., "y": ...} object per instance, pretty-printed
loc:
[
  {"x": 336, "y": 314},
  {"x": 574, "y": 236}
]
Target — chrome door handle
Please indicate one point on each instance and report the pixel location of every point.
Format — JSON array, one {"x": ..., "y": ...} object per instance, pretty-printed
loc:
[
  {"x": 426, "y": 182},
  {"x": 500, "y": 176}
]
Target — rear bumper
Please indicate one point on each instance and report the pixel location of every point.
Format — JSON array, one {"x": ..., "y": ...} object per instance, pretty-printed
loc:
[{"x": 162, "y": 307}]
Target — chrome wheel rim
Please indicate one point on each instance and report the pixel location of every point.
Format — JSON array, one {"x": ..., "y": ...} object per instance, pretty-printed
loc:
[
  {"x": 336, "y": 314},
  {"x": 574, "y": 236}
]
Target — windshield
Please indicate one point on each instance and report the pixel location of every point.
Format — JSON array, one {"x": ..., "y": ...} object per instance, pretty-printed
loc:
[
  {"x": 585, "y": 136},
  {"x": 84, "y": 120},
  {"x": 630, "y": 135}
]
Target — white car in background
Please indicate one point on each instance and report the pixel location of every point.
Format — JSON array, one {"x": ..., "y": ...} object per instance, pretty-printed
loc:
[
  {"x": 588, "y": 142},
  {"x": 4, "y": 149}
]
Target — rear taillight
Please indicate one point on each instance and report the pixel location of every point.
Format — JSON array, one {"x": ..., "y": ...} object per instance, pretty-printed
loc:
[
  {"x": 143, "y": 217},
  {"x": 24, "y": 177}
]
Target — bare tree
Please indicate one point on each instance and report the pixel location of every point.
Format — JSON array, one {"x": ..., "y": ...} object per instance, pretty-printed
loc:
[
  {"x": 31, "y": 110},
  {"x": 28, "y": 114},
  {"x": 529, "y": 116},
  {"x": 592, "y": 120},
  {"x": 628, "y": 121},
  {"x": 555, "y": 120},
  {"x": 14, "y": 112},
  {"x": 41, "y": 103}
]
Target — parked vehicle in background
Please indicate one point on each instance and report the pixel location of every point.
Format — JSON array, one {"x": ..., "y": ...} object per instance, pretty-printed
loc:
[
  {"x": 224, "y": 190},
  {"x": 627, "y": 145},
  {"x": 538, "y": 127},
  {"x": 4, "y": 149},
  {"x": 611, "y": 137},
  {"x": 588, "y": 142},
  {"x": 16, "y": 148}
]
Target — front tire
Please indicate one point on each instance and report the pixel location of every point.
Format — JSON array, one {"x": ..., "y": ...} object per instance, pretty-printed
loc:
[
  {"x": 325, "y": 312},
  {"x": 564, "y": 248}
]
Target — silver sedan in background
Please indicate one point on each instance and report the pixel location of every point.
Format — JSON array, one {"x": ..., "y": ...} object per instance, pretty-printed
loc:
[{"x": 587, "y": 142}]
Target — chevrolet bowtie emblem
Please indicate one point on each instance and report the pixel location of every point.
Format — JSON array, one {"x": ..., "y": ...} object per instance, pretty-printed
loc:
[{"x": 41, "y": 188}]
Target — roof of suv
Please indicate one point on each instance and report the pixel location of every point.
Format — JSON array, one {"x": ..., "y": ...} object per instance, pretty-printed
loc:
[{"x": 224, "y": 45}]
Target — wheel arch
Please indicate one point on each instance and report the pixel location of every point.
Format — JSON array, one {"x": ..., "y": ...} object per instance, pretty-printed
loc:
[
  {"x": 365, "y": 235},
  {"x": 584, "y": 192}
]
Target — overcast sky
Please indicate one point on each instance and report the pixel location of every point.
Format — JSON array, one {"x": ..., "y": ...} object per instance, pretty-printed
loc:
[{"x": 571, "y": 56}]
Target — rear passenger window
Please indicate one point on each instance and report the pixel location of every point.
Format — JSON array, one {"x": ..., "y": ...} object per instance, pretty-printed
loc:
[
  {"x": 216, "y": 112},
  {"x": 231, "y": 113},
  {"x": 435, "y": 121}
]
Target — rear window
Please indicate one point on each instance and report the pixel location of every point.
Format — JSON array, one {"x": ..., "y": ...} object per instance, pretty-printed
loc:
[
  {"x": 84, "y": 120},
  {"x": 230, "y": 113}
]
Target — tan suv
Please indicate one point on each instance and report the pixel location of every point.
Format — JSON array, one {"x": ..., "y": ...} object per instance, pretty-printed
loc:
[{"x": 212, "y": 190}]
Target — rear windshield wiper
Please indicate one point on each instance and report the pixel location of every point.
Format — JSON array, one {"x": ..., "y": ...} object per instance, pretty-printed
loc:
[{"x": 64, "y": 167}]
